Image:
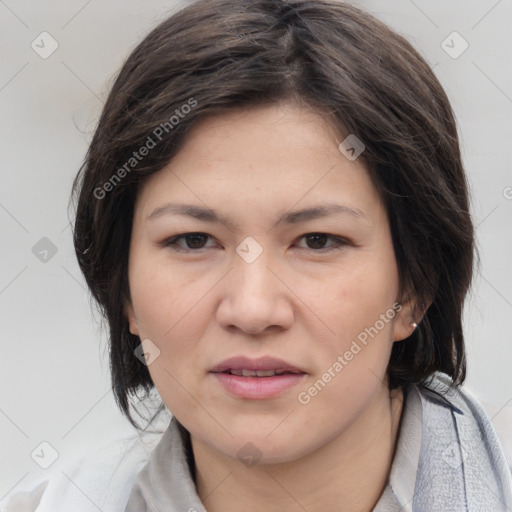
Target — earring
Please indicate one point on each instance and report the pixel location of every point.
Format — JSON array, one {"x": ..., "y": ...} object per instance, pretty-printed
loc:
[{"x": 414, "y": 324}]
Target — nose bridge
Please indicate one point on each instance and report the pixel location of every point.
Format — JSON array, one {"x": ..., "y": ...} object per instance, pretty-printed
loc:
[
  {"x": 251, "y": 274},
  {"x": 254, "y": 298}
]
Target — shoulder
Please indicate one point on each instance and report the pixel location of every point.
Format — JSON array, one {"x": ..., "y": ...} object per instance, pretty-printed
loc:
[
  {"x": 474, "y": 417},
  {"x": 97, "y": 479}
]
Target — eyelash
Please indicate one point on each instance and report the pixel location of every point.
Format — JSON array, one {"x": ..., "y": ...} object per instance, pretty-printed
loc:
[{"x": 172, "y": 242}]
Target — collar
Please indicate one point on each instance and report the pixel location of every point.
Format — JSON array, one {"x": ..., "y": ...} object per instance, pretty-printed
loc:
[{"x": 399, "y": 492}]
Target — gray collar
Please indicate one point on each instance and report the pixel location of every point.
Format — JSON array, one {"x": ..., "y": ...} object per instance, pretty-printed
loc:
[{"x": 399, "y": 492}]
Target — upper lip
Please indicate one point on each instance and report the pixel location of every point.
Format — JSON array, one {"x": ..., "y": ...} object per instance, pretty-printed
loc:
[{"x": 262, "y": 363}]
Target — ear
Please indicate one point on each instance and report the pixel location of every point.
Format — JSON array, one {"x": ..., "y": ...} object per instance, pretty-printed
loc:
[
  {"x": 132, "y": 319},
  {"x": 408, "y": 317}
]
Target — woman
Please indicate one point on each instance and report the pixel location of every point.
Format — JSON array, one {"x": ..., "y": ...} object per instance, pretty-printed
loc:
[{"x": 273, "y": 217}]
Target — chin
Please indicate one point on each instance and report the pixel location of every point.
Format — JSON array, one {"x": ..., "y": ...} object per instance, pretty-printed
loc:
[
  {"x": 261, "y": 452},
  {"x": 266, "y": 446}
]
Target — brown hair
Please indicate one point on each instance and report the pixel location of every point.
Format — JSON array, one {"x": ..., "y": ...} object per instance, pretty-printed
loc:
[{"x": 216, "y": 55}]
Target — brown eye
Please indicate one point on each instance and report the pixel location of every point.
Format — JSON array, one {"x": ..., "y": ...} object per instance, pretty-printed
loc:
[
  {"x": 195, "y": 241},
  {"x": 317, "y": 241},
  {"x": 192, "y": 241}
]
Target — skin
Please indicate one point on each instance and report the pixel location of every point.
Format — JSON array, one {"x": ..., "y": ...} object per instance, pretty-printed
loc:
[{"x": 296, "y": 301}]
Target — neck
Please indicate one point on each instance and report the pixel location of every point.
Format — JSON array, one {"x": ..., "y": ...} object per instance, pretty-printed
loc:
[{"x": 348, "y": 473}]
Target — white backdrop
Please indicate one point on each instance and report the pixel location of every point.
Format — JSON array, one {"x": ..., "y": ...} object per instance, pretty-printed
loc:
[{"x": 54, "y": 368}]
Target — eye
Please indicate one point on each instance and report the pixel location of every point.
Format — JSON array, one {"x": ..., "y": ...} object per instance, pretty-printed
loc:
[
  {"x": 193, "y": 241},
  {"x": 196, "y": 241},
  {"x": 317, "y": 241}
]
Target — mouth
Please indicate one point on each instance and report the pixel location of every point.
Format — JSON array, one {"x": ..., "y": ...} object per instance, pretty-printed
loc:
[
  {"x": 257, "y": 379},
  {"x": 247, "y": 367},
  {"x": 261, "y": 373}
]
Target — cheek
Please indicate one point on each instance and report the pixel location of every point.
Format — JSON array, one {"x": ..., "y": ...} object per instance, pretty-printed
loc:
[
  {"x": 162, "y": 296},
  {"x": 351, "y": 302},
  {"x": 351, "y": 364},
  {"x": 172, "y": 311}
]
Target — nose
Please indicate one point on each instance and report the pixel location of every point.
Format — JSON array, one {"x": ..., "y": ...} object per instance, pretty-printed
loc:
[{"x": 255, "y": 297}]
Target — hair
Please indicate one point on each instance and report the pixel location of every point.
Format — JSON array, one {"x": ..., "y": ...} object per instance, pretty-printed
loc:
[{"x": 219, "y": 55}]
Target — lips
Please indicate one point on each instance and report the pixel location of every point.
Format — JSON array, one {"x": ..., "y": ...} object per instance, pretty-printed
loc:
[
  {"x": 258, "y": 373},
  {"x": 257, "y": 379},
  {"x": 262, "y": 367}
]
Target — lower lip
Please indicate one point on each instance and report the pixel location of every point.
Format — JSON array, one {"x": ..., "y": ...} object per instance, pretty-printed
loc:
[{"x": 258, "y": 387}]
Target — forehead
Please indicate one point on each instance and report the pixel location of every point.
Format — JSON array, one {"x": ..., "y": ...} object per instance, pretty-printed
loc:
[{"x": 279, "y": 155}]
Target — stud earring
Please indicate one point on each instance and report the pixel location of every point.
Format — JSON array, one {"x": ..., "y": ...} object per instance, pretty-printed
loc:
[{"x": 414, "y": 324}]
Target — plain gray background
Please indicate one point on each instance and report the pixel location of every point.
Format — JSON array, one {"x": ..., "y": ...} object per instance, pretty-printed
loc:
[{"x": 54, "y": 368}]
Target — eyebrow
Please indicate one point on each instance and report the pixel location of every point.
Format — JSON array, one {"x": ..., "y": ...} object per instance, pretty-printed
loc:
[{"x": 291, "y": 217}]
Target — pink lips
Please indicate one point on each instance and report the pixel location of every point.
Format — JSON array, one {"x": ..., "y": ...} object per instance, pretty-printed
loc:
[{"x": 257, "y": 387}]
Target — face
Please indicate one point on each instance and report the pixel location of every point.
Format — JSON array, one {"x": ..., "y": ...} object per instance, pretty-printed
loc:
[{"x": 262, "y": 247}]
